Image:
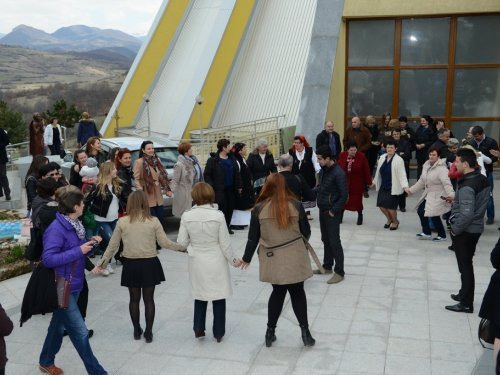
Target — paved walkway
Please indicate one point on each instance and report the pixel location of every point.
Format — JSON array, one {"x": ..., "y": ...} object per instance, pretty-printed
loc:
[{"x": 387, "y": 317}]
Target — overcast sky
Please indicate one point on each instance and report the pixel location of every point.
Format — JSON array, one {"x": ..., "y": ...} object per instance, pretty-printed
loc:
[{"x": 130, "y": 16}]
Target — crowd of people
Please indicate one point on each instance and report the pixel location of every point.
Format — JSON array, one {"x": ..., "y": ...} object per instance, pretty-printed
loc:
[{"x": 110, "y": 207}]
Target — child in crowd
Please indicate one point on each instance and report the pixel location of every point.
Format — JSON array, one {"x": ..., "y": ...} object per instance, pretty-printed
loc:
[
  {"x": 89, "y": 173},
  {"x": 89, "y": 223}
]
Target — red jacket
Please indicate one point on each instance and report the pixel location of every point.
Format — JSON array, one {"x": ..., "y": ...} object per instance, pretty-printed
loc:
[{"x": 360, "y": 173}]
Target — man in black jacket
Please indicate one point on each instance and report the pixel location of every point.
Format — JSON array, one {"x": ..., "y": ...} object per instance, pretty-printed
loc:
[
  {"x": 442, "y": 142},
  {"x": 4, "y": 182},
  {"x": 484, "y": 144},
  {"x": 295, "y": 182},
  {"x": 332, "y": 194},
  {"x": 329, "y": 138}
]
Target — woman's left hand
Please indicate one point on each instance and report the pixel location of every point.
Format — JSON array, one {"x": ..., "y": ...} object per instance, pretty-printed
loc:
[
  {"x": 244, "y": 264},
  {"x": 97, "y": 270},
  {"x": 98, "y": 239},
  {"x": 169, "y": 194}
]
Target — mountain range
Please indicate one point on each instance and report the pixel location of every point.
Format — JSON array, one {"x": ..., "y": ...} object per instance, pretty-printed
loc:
[{"x": 77, "y": 38}]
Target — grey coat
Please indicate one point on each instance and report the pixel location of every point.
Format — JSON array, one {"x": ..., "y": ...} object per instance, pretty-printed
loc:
[
  {"x": 182, "y": 185},
  {"x": 470, "y": 203}
]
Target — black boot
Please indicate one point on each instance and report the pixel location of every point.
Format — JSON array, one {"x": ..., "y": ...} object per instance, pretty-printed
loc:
[
  {"x": 137, "y": 333},
  {"x": 270, "y": 337},
  {"x": 306, "y": 336},
  {"x": 360, "y": 218},
  {"x": 148, "y": 335}
]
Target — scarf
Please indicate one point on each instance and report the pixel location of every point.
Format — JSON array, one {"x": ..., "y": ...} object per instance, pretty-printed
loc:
[
  {"x": 305, "y": 143},
  {"x": 350, "y": 161},
  {"x": 77, "y": 224},
  {"x": 147, "y": 163},
  {"x": 198, "y": 172}
]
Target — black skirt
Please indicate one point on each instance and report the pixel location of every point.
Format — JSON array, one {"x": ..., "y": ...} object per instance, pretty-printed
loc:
[
  {"x": 142, "y": 272},
  {"x": 386, "y": 200}
]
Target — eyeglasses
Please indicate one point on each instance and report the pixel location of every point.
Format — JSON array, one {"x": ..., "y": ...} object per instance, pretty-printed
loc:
[{"x": 52, "y": 174}]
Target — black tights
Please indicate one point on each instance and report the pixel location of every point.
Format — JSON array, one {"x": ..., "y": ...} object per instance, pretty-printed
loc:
[
  {"x": 277, "y": 298},
  {"x": 149, "y": 305}
]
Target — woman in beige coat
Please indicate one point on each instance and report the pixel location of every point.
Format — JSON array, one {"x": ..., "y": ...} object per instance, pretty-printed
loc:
[
  {"x": 187, "y": 172},
  {"x": 142, "y": 269},
  {"x": 204, "y": 232},
  {"x": 278, "y": 225},
  {"x": 436, "y": 184}
]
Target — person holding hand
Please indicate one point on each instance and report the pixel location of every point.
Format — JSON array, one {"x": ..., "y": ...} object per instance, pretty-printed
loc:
[
  {"x": 203, "y": 231},
  {"x": 65, "y": 250},
  {"x": 142, "y": 270}
]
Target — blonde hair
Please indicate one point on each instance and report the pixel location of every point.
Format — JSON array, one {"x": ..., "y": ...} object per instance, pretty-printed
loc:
[
  {"x": 394, "y": 124},
  {"x": 470, "y": 148},
  {"x": 65, "y": 189},
  {"x": 85, "y": 115},
  {"x": 138, "y": 207},
  {"x": 104, "y": 177},
  {"x": 370, "y": 119}
]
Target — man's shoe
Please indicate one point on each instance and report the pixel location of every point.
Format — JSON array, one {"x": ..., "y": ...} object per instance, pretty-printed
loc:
[
  {"x": 455, "y": 297},
  {"x": 8, "y": 198},
  {"x": 318, "y": 272},
  {"x": 460, "y": 308},
  {"x": 423, "y": 236},
  {"x": 451, "y": 248},
  {"x": 236, "y": 227},
  {"x": 230, "y": 231},
  {"x": 52, "y": 370},
  {"x": 403, "y": 209},
  {"x": 366, "y": 195},
  {"x": 438, "y": 239},
  {"x": 336, "y": 278},
  {"x": 91, "y": 333},
  {"x": 489, "y": 221}
]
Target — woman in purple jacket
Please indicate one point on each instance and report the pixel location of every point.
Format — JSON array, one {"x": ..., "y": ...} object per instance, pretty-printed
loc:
[{"x": 63, "y": 244}]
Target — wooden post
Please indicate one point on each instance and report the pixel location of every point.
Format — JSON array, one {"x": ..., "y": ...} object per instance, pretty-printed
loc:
[{"x": 116, "y": 117}]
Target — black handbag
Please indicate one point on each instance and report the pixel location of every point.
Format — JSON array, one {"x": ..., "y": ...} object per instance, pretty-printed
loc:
[
  {"x": 62, "y": 153},
  {"x": 483, "y": 333},
  {"x": 34, "y": 249}
]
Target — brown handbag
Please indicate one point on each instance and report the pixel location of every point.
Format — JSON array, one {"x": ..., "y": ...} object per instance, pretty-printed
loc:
[{"x": 63, "y": 287}]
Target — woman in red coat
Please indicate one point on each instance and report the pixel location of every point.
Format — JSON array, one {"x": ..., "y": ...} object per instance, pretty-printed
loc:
[{"x": 356, "y": 168}]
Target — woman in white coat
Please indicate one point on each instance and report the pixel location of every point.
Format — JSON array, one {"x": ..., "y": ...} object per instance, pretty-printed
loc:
[
  {"x": 52, "y": 137},
  {"x": 436, "y": 184},
  {"x": 390, "y": 180},
  {"x": 204, "y": 233}
]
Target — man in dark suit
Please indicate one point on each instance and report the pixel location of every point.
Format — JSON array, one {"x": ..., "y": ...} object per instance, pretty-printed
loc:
[
  {"x": 4, "y": 182},
  {"x": 329, "y": 138},
  {"x": 295, "y": 182}
]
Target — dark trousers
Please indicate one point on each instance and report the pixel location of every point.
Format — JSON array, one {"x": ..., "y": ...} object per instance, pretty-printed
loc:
[
  {"x": 200, "y": 315},
  {"x": 465, "y": 248},
  {"x": 228, "y": 206},
  {"x": 330, "y": 235},
  {"x": 157, "y": 211},
  {"x": 55, "y": 149},
  {"x": 83, "y": 299},
  {"x": 4, "y": 182},
  {"x": 277, "y": 298},
  {"x": 490, "y": 208},
  {"x": 424, "y": 221},
  {"x": 372, "y": 155}
]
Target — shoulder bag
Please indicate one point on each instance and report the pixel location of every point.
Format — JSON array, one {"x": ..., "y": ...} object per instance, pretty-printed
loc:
[
  {"x": 313, "y": 255},
  {"x": 63, "y": 287}
]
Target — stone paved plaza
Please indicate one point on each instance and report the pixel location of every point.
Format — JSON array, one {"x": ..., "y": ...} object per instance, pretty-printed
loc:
[{"x": 386, "y": 317}]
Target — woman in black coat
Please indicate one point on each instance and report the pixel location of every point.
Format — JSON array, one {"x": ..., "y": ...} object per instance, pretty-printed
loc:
[
  {"x": 490, "y": 308},
  {"x": 123, "y": 165},
  {"x": 223, "y": 174},
  {"x": 425, "y": 138},
  {"x": 261, "y": 161},
  {"x": 246, "y": 199}
]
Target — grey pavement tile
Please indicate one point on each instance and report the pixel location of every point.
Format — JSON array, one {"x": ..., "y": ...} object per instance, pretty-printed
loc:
[
  {"x": 321, "y": 359},
  {"x": 280, "y": 356},
  {"x": 381, "y": 272},
  {"x": 366, "y": 344},
  {"x": 402, "y": 273},
  {"x": 185, "y": 366},
  {"x": 335, "y": 311},
  {"x": 397, "y": 365},
  {"x": 385, "y": 291},
  {"x": 409, "y": 347},
  {"x": 405, "y": 330},
  {"x": 379, "y": 303},
  {"x": 19, "y": 369},
  {"x": 206, "y": 347},
  {"x": 332, "y": 325},
  {"x": 410, "y": 317},
  {"x": 389, "y": 257},
  {"x": 365, "y": 363},
  {"x": 381, "y": 264},
  {"x": 245, "y": 353},
  {"x": 370, "y": 328},
  {"x": 412, "y": 265},
  {"x": 443, "y": 367},
  {"x": 331, "y": 341},
  {"x": 411, "y": 284},
  {"x": 222, "y": 367},
  {"x": 401, "y": 303},
  {"x": 453, "y": 352},
  {"x": 258, "y": 369},
  {"x": 454, "y": 335},
  {"x": 382, "y": 281},
  {"x": 445, "y": 318},
  {"x": 417, "y": 295},
  {"x": 371, "y": 315}
]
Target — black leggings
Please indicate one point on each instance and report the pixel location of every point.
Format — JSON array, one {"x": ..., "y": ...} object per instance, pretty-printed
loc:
[
  {"x": 277, "y": 298},
  {"x": 149, "y": 305}
]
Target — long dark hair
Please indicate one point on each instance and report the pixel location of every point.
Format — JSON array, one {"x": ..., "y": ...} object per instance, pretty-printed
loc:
[
  {"x": 75, "y": 156},
  {"x": 143, "y": 146},
  {"x": 35, "y": 166}
]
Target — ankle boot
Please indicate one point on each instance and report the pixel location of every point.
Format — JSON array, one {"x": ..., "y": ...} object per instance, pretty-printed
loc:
[
  {"x": 270, "y": 337},
  {"x": 137, "y": 333},
  {"x": 360, "y": 219},
  {"x": 307, "y": 339},
  {"x": 148, "y": 335}
]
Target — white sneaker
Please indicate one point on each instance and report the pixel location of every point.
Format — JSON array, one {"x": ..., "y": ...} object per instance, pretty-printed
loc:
[
  {"x": 109, "y": 269},
  {"x": 105, "y": 272},
  {"x": 438, "y": 239},
  {"x": 423, "y": 236}
]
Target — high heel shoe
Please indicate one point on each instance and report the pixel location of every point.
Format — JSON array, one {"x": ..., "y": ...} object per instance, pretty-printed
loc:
[
  {"x": 137, "y": 333},
  {"x": 307, "y": 339},
  {"x": 387, "y": 225},
  {"x": 148, "y": 335},
  {"x": 270, "y": 337},
  {"x": 395, "y": 228},
  {"x": 198, "y": 333}
]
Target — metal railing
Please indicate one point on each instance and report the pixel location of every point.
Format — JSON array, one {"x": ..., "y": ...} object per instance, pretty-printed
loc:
[{"x": 23, "y": 150}]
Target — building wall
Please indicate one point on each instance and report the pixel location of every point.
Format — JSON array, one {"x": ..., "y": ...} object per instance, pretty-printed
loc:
[{"x": 389, "y": 8}]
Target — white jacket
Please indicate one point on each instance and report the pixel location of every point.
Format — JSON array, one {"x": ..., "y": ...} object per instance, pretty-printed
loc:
[
  {"x": 49, "y": 134},
  {"x": 204, "y": 233},
  {"x": 399, "y": 180}
]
